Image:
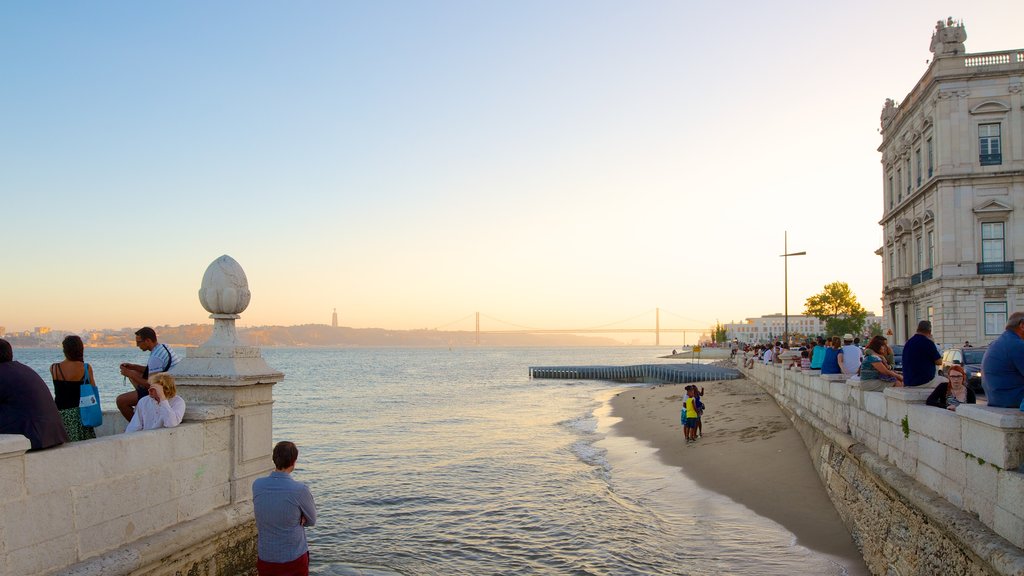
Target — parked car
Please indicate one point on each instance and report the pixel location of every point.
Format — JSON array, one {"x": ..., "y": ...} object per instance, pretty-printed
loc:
[
  {"x": 897, "y": 357},
  {"x": 970, "y": 359}
]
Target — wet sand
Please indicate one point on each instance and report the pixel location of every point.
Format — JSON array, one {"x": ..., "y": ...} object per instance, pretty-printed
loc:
[{"x": 749, "y": 452}]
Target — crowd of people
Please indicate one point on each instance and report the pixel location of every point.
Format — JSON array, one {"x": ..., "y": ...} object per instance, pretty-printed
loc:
[
  {"x": 873, "y": 365},
  {"x": 28, "y": 408}
]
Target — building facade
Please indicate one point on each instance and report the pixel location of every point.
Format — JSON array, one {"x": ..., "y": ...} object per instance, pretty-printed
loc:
[
  {"x": 953, "y": 193},
  {"x": 771, "y": 327}
]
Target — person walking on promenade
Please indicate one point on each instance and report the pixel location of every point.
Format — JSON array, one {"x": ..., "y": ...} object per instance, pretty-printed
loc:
[
  {"x": 920, "y": 357},
  {"x": 68, "y": 377},
  {"x": 1003, "y": 365},
  {"x": 161, "y": 359},
  {"x": 26, "y": 406},
  {"x": 284, "y": 508}
]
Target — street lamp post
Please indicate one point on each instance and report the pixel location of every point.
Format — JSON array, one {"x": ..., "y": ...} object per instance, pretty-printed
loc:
[{"x": 785, "y": 256}]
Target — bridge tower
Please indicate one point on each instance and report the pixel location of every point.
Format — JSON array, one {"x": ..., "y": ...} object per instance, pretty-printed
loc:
[
  {"x": 477, "y": 328},
  {"x": 657, "y": 326}
]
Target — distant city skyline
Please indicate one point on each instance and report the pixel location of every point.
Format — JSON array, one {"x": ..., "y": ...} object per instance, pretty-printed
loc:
[{"x": 556, "y": 165}]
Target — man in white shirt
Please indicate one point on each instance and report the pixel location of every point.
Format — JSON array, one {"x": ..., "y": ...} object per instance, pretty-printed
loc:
[{"x": 850, "y": 356}]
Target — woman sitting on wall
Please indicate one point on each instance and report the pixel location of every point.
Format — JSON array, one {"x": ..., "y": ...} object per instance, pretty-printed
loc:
[
  {"x": 68, "y": 376},
  {"x": 830, "y": 365},
  {"x": 875, "y": 368},
  {"x": 163, "y": 408},
  {"x": 953, "y": 393}
]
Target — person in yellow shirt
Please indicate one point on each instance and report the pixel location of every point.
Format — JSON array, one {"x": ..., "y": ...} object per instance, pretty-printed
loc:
[{"x": 689, "y": 416}]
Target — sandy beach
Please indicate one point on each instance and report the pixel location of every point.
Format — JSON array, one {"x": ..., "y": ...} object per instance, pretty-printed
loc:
[{"x": 749, "y": 452}]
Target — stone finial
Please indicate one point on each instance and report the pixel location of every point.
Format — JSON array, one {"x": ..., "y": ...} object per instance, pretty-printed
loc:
[
  {"x": 948, "y": 38},
  {"x": 225, "y": 295},
  {"x": 225, "y": 289}
]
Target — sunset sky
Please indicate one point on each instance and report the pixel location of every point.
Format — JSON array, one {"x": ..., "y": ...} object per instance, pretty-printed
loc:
[{"x": 552, "y": 164}]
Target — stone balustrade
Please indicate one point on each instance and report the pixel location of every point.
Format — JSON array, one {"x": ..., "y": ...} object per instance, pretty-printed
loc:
[
  {"x": 972, "y": 457},
  {"x": 158, "y": 502}
]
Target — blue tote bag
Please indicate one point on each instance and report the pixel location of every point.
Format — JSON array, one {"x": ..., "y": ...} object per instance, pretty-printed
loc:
[{"x": 89, "y": 402}]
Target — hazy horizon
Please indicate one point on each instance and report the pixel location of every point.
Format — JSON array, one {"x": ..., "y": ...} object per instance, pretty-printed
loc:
[{"x": 550, "y": 165}]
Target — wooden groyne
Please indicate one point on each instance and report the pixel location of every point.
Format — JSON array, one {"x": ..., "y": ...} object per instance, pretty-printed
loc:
[{"x": 659, "y": 373}]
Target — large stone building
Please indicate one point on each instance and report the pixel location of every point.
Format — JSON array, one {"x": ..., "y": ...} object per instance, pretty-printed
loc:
[{"x": 953, "y": 179}]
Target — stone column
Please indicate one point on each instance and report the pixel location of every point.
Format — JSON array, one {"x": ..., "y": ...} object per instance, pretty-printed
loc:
[{"x": 228, "y": 385}]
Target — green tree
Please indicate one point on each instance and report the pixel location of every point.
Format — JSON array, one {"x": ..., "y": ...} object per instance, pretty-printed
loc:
[
  {"x": 719, "y": 333},
  {"x": 875, "y": 329},
  {"x": 838, "y": 308}
]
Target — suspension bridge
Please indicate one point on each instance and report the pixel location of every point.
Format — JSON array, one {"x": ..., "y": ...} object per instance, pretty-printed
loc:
[{"x": 611, "y": 328}]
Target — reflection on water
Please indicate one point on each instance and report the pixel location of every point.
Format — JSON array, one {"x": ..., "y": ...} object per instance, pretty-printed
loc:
[{"x": 454, "y": 462}]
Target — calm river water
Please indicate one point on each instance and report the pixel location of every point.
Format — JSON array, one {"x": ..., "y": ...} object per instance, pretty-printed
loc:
[{"x": 436, "y": 461}]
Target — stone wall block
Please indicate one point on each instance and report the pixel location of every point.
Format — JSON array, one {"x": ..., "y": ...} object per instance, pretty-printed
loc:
[
  {"x": 994, "y": 445},
  {"x": 929, "y": 476},
  {"x": 125, "y": 495},
  {"x": 938, "y": 424},
  {"x": 43, "y": 557},
  {"x": 981, "y": 493},
  {"x": 100, "y": 537},
  {"x": 869, "y": 424},
  {"x": 217, "y": 434},
  {"x": 839, "y": 391},
  {"x": 57, "y": 468},
  {"x": 1011, "y": 492},
  {"x": 31, "y": 521},
  {"x": 198, "y": 503},
  {"x": 875, "y": 403},
  {"x": 956, "y": 467},
  {"x": 995, "y": 434},
  {"x": 931, "y": 453},
  {"x": 187, "y": 441},
  {"x": 12, "y": 479},
  {"x": 201, "y": 473},
  {"x": 1009, "y": 526}
]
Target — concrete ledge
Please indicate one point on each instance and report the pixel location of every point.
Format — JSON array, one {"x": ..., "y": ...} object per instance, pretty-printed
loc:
[
  {"x": 13, "y": 445},
  {"x": 997, "y": 417},
  {"x": 995, "y": 435},
  {"x": 915, "y": 394},
  {"x": 141, "y": 553}
]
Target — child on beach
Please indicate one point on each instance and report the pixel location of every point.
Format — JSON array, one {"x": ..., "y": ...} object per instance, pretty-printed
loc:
[{"x": 688, "y": 416}]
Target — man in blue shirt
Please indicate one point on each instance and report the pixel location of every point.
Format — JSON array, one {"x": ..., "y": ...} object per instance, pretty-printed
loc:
[
  {"x": 284, "y": 508},
  {"x": 920, "y": 356},
  {"x": 1002, "y": 368}
]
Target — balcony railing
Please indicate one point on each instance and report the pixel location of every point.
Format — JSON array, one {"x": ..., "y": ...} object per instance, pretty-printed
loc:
[
  {"x": 995, "y": 268},
  {"x": 922, "y": 276},
  {"x": 990, "y": 159}
]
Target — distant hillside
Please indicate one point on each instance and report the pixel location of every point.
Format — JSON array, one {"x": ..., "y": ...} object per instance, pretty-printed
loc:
[{"x": 327, "y": 336}]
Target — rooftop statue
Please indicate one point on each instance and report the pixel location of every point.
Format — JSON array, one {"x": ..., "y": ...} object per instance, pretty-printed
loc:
[
  {"x": 888, "y": 111},
  {"x": 948, "y": 38}
]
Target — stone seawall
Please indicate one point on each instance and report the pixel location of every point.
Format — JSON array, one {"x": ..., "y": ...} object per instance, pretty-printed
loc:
[{"x": 904, "y": 525}]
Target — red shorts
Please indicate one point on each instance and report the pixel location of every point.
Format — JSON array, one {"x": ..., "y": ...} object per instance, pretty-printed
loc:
[{"x": 297, "y": 567}]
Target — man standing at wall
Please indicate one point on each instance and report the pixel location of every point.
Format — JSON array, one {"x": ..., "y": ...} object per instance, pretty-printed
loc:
[
  {"x": 161, "y": 359},
  {"x": 284, "y": 508},
  {"x": 920, "y": 356},
  {"x": 1003, "y": 366}
]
